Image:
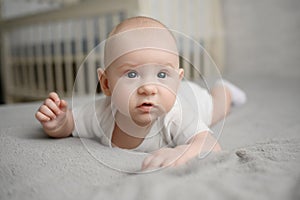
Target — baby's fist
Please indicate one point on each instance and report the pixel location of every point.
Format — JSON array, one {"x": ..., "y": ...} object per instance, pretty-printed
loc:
[{"x": 52, "y": 113}]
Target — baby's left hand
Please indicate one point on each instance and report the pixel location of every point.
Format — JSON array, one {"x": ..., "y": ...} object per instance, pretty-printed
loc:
[{"x": 166, "y": 157}]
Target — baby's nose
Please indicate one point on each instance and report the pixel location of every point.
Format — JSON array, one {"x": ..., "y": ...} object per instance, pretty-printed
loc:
[{"x": 147, "y": 89}]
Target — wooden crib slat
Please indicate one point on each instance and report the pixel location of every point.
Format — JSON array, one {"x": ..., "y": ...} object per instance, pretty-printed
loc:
[
  {"x": 175, "y": 18},
  {"x": 23, "y": 60},
  {"x": 39, "y": 61},
  {"x": 102, "y": 28},
  {"x": 218, "y": 41},
  {"x": 115, "y": 19},
  {"x": 15, "y": 61},
  {"x": 102, "y": 37},
  {"x": 197, "y": 30},
  {"x": 196, "y": 60},
  {"x": 6, "y": 62},
  {"x": 69, "y": 59},
  {"x": 47, "y": 58},
  {"x": 91, "y": 60},
  {"x": 186, "y": 58},
  {"x": 80, "y": 81},
  {"x": 68, "y": 36},
  {"x": 57, "y": 37},
  {"x": 30, "y": 62},
  {"x": 207, "y": 37},
  {"x": 166, "y": 5}
]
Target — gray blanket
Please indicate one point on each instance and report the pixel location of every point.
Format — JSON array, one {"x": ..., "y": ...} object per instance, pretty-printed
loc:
[{"x": 256, "y": 163}]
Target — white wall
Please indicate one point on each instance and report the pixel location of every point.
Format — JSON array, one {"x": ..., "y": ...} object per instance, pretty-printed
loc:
[{"x": 18, "y": 8}]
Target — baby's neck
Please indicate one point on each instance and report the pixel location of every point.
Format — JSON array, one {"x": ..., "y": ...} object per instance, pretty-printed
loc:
[
  {"x": 127, "y": 134},
  {"x": 124, "y": 140}
]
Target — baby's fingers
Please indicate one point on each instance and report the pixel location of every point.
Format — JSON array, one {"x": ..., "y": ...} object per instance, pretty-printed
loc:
[
  {"x": 146, "y": 162},
  {"x": 152, "y": 162},
  {"x": 63, "y": 105},
  {"x": 41, "y": 117},
  {"x": 52, "y": 106},
  {"x": 54, "y": 96},
  {"x": 45, "y": 110},
  {"x": 60, "y": 103}
]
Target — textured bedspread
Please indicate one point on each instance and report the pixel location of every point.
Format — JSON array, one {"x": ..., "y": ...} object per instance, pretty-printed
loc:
[{"x": 260, "y": 160}]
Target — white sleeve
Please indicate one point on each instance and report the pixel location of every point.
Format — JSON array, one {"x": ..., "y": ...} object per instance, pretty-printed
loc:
[
  {"x": 86, "y": 124},
  {"x": 194, "y": 111},
  {"x": 189, "y": 126}
]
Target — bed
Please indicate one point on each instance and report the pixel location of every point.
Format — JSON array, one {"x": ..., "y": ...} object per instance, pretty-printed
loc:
[{"x": 256, "y": 162}]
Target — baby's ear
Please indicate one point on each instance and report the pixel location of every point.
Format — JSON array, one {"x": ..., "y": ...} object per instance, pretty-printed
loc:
[
  {"x": 181, "y": 73},
  {"x": 102, "y": 76},
  {"x": 100, "y": 72}
]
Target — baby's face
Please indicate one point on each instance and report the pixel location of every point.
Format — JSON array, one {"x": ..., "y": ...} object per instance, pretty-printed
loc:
[{"x": 143, "y": 84}]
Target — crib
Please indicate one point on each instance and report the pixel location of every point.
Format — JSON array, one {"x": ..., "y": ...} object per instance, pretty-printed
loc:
[{"x": 43, "y": 52}]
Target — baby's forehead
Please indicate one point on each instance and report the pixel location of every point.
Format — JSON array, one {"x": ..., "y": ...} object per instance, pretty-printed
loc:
[
  {"x": 150, "y": 57},
  {"x": 133, "y": 40}
]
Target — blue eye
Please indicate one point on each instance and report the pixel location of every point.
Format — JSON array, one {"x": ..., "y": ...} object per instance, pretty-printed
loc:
[
  {"x": 132, "y": 74},
  {"x": 162, "y": 75}
]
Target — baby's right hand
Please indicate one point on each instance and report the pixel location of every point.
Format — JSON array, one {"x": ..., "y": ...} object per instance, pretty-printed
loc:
[{"x": 53, "y": 113}]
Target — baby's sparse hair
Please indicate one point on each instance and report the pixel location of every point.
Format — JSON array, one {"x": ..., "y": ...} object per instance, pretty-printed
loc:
[
  {"x": 137, "y": 22},
  {"x": 144, "y": 33}
]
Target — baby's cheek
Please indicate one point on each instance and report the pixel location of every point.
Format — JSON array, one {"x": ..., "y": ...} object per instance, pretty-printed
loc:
[
  {"x": 121, "y": 98},
  {"x": 169, "y": 100}
]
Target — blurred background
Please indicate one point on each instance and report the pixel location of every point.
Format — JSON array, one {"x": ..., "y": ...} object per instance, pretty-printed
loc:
[{"x": 43, "y": 42}]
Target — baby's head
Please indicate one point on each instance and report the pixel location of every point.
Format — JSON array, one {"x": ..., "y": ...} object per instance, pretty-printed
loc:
[
  {"x": 142, "y": 71},
  {"x": 139, "y": 33}
]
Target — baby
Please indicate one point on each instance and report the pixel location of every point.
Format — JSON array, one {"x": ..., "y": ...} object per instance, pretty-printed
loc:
[{"x": 146, "y": 106}]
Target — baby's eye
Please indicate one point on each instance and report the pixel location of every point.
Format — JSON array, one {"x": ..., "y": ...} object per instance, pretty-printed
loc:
[
  {"x": 162, "y": 75},
  {"x": 132, "y": 74}
]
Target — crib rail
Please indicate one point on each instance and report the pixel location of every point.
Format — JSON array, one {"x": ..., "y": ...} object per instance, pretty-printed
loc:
[{"x": 42, "y": 52}]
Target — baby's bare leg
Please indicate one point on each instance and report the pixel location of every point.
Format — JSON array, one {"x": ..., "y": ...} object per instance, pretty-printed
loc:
[
  {"x": 221, "y": 102},
  {"x": 224, "y": 95}
]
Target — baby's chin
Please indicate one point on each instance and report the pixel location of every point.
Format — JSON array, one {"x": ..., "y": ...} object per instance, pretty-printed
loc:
[{"x": 146, "y": 119}]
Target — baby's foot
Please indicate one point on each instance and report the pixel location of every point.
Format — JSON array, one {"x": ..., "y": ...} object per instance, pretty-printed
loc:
[{"x": 238, "y": 96}]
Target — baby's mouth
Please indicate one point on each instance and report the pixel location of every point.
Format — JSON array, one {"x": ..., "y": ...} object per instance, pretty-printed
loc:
[{"x": 146, "y": 107}]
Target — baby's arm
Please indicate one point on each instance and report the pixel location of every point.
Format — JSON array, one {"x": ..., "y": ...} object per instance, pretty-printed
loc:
[
  {"x": 55, "y": 117},
  {"x": 202, "y": 142}
]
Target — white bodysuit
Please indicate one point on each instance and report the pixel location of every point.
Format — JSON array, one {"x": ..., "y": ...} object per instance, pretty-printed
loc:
[{"x": 190, "y": 115}]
